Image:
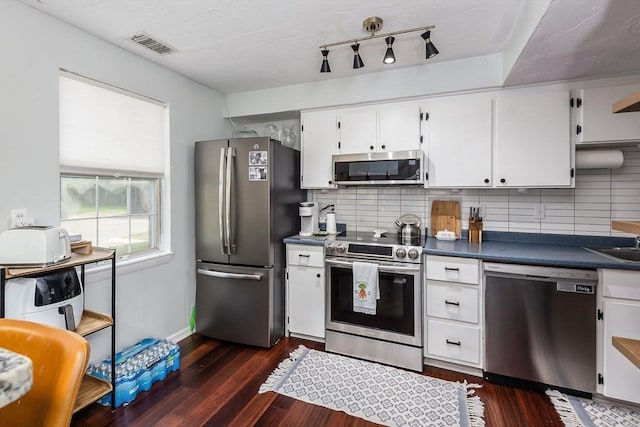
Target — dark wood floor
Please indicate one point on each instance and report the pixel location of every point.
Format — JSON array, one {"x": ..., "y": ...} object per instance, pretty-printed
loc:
[{"x": 218, "y": 382}]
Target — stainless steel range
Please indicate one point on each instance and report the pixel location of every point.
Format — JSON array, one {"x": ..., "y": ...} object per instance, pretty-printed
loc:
[{"x": 392, "y": 332}]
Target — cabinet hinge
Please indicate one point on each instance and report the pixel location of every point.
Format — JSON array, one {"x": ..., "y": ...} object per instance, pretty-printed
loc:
[
  {"x": 421, "y": 115},
  {"x": 302, "y": 128},
  {"x": 426, "y": 116},
  {"x": 287, "y": 273},
  {"x": 578, "y": 102},
  {"x": 338, "y": 145},
  {"x": 600, "y": 379},
  {"x": 573, "y": 172},
  {"x": 421, "y": 139},
  {"x": 287, "y": 320},
  {"x": 578, "y": 130},
  {"x": 338, "y": 125},
  {"x": 571, "y": 103},
  {"x": 600, "y": 314},
  {"x": 426, "y": 176}
]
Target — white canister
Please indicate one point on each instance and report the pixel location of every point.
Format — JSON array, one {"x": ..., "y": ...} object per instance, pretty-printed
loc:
[{"x": 331, "y": 223}]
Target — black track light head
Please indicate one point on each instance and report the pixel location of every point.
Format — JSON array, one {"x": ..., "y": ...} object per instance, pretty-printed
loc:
[
  {"x": 430, "y": 49},
  {"x": 357, "y": 61},
  {"x": 325, "y": 62},
  {"x": 389, "y": 57}
]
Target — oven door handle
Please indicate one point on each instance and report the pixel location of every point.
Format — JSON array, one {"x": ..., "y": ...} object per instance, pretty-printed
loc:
[{"x": 383, "y": 267}]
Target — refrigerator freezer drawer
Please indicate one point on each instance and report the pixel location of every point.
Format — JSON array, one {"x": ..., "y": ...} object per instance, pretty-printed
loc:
[{"x": 238, "y": 304}]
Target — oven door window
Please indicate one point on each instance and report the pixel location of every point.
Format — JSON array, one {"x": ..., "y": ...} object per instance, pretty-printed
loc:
[{"x": 394, "y": 310}]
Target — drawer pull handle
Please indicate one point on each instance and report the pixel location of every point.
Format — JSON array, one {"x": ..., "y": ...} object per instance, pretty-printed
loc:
[
  {"x": 304, "y": 255},
  {"x": 452, "y": 269},
  {"x": 453, "y": 342},
  {"x": 452, "y": 303}
]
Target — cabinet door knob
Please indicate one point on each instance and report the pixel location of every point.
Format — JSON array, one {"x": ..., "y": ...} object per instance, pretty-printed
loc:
[
  {"x": 486, "y": 180},
  {"x": 384, "y": 146},
  {"x": 318, "y": 275},
  {"x": 502, "y": 180},
  {"x": 371, "y": 147}
]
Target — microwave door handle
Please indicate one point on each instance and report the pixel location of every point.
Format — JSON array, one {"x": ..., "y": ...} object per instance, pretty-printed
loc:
[
  {"x": 231, "y": 153},
  {"x": 221, "y": 200}
]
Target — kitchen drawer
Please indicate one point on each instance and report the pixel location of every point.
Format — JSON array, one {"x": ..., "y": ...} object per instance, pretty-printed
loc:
[
  {"x": 452, "y": 269},
  {"x": 453, "y": 341},
  {"x": 311, "y": 256},
  {"x": 453, "y": 302},
  {"x": 620, "y": 283}
]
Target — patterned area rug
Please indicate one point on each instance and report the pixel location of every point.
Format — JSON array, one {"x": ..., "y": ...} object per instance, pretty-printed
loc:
[
  {"x": 375, "y": 392},
  {"x": 575, "y": 411}
]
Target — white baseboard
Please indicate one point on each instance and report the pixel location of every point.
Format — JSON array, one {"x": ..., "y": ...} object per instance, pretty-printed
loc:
[{"x": 180, "y": 335}]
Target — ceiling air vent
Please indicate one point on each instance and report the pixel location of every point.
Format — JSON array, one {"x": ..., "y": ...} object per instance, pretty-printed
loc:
[{"x": 149, "y": 42}]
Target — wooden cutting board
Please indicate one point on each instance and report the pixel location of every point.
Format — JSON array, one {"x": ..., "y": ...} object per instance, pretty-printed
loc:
[{"x": 445, "y": 215}]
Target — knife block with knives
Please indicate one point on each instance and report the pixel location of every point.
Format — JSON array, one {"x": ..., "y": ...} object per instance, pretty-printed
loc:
[{"x": 475, "y": 225}]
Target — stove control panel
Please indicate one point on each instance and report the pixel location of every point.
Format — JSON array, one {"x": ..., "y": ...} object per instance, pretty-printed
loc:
[{"x": 374, "y": 252}]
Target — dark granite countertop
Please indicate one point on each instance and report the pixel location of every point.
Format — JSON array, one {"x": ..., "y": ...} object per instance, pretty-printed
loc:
[{"x": 522, "y": 248}]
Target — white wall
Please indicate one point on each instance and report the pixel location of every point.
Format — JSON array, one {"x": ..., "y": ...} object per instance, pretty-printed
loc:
[
  {"x": 422, "y": 80},
  {"x": 152, "y": 302}
]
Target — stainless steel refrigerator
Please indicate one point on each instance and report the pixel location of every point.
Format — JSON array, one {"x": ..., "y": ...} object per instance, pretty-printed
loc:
[{"x": 247, "y": 196}]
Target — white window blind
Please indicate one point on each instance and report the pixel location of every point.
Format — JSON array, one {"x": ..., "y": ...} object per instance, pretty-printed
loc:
[{"x": 104, "y": 130}]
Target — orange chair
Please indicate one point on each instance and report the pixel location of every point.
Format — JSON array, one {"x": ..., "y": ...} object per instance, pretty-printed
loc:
[{"x": 59, "y": 360}]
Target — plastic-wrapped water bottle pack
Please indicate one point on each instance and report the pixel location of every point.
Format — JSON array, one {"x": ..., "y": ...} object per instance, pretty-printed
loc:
[{"x": 137, "y": 368}]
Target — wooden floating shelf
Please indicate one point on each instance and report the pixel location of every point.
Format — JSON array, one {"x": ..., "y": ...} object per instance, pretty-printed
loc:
[
  {"x": 627, "y": 105},
  {"x": 91, "y": 389},
  {"x": 629, "y": 347}
]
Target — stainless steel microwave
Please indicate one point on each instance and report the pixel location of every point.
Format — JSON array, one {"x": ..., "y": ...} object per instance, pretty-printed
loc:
[{"x": 393, "y": 167}]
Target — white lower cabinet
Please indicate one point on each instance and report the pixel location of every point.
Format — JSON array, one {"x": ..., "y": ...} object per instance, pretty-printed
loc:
[
  {"x": 305, "y": 291},
  {"x": 453, "y": 310},
  {"x": 454, "y": 341},
  {"x": 621, "y": 318}
]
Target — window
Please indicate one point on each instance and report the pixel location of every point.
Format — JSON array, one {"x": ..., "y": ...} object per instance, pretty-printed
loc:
[
  {"x": 120, "y": 213},
  {"x": 111, "y": 165}
]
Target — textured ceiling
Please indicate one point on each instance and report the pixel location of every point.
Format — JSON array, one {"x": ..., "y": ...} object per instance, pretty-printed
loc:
[{"x": 239, "y": 45}]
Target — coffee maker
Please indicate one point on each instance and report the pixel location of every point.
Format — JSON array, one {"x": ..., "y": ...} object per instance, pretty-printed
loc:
[{"x": 308, "y": 218}]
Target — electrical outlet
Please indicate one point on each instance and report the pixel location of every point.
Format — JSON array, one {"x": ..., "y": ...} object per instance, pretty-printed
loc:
[
  {"x": 18, "y": 218},
  {"x": 538, "y": 211}
]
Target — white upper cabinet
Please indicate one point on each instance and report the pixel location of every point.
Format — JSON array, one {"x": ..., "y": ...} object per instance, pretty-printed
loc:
[
  {"x": 532, "y": 140},
  {"x": 357, "y": 130},
  {"x": 459, "y": 141},
  {"x": 379, "y": 128},
  {"x": 597, "y": 123},
  {"x": 318, "y": 144},
  {"x": 399, "y": 126}
]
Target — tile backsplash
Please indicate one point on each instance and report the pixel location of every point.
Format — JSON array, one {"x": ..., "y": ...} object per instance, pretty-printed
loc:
[{"x": 600, "y": 196}]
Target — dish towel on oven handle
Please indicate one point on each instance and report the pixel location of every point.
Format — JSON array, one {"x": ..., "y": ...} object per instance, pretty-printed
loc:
[{"x": 366, "y": 290}]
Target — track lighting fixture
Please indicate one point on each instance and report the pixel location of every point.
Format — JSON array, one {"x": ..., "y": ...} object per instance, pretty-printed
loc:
[
  {"x": 389, "y": 57},
  {"x": 357, "y": 61},
  {"x": 372, "y": 25},
  {"x": 325, "y": 62}
]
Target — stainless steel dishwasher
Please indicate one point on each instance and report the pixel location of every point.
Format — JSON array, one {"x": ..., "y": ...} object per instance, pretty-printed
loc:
[{"x": 540, "y": 327}]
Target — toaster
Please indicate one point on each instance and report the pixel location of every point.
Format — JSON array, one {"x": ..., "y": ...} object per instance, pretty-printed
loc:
[
  {"x": 34, "y": 245},
  {"x": 54, "y": 299}
]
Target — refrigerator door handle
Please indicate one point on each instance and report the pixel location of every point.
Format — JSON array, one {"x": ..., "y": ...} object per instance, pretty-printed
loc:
[
  {"x": 229, "y": 275},
  {"x": 231, "y": 153},
  {"x": 221, "y": 199}
]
